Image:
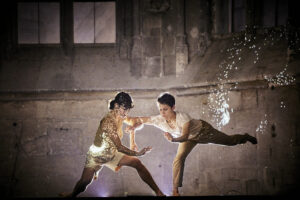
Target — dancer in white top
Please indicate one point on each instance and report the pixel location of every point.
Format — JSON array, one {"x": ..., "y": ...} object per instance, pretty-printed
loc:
[{"x": 180, "y": 127}]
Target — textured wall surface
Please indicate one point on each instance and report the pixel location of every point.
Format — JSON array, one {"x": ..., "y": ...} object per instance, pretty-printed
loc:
[
  {"x": 52, "y": 99},
  {"x": 44, "y": 143}
]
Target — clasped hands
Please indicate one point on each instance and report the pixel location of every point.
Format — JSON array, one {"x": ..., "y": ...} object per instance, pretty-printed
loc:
[
  {"x": 131, "y": 129},
  {"x": 169, "y": 137},
  {"x": 133, "y": 146}
]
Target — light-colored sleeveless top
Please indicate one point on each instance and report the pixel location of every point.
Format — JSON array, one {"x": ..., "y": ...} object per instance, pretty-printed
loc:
[{"x": 181, "y": 118}]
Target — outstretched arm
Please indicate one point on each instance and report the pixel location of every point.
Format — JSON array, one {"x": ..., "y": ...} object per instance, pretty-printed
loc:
[
  {"x": 184, "y": 136},
  {"x": 109, "y": 127},
  {"x": 135, "y": 123}
]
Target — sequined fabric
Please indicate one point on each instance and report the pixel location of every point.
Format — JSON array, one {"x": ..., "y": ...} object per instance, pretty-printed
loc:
[{"x": 104, "y": 147}]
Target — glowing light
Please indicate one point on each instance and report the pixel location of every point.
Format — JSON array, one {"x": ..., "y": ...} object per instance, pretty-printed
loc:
[
  {"x": 262, "y": 126},
  {"x": 95, "y": 149},
  {"x": 218, "y": 101},
  {"x": 281, "y": 79},
  {"x": 218, "y": 105},
  {"x": 282, "y": 105}
]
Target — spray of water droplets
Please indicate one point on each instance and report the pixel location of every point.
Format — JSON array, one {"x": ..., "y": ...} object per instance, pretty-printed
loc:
[
  {"x": 282, "y": 104},
  {"x": 219, "y": 107},
  {"x": 281, "y": 79},
  {"x": 263, "y": 125},
  {"x": 219, "y": 100}
]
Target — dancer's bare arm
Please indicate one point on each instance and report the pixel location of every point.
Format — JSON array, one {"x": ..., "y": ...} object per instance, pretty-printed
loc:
[
  {"x": 135, "y": 122},
  {"x": 133, "y": 145},
  {"x": 110, "y": 128}
]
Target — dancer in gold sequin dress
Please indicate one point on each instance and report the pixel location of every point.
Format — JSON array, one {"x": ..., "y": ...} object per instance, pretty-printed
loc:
[
  {"x": 180, "y": 127},
  {"x": 107, "y": 149}
]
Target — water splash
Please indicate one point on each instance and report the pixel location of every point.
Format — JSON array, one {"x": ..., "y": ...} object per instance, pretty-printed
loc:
[
  {"x": 282, "y": 105},
  {"x": 219, "y": 107},
  {"x": 281, "y": 79},
  {"x": 263, "y": 125},
  {"x": 219, "y": 101}
]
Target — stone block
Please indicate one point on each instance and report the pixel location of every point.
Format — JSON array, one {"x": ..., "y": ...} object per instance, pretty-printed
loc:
[
  {"x": 155, "y": 32},
  {"x": 169, "y": 65},
  {"x": 249, "y": 99},
  {"x": 249, "y": 121},
  {"x": 214, "y": 184},
  {"x": 33, "y": 128},
  {"x": 229, "y": 173},
  {"x": 150, "y": 23},
  {"x": 152, "y": 46},
  {"x": 235, "y": 100},
  {"x": 248, "y": 155},
  {"x": 135, "y": 68},
  {"x": 168, "y": 45},
  {"x": 64, "y": 141},
  {"x": 194, "y": 179},
  {"x": 247, "y": 173},
  {"x": 232, "y": 187},
  {"x": 18, "y": 110},
  {"x": 272, "y": 179},
  {"x": 152, "y": 67},
  {"x": 35, "y": 147},
  {"x": 48, "y": 186},
  {"x": 41, "y": 166},
  {"x": 20, "y": 75},
  {"x": 253, "y": 187}
]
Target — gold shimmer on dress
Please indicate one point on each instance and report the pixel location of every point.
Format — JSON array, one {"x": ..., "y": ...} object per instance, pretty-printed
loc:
[{"x": 104, "y": 149}]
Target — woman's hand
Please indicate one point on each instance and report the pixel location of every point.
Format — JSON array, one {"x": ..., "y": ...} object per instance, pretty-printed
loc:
[
  {"x": 144, "y": 150},
  {"x": 129, "y": 129},
  {"x": 168, "y": 136}
]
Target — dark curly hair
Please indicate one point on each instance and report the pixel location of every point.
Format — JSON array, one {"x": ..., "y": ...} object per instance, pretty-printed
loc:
[
  {"x": 166, "y": 99},
  {"x": 123, "y": 99}
]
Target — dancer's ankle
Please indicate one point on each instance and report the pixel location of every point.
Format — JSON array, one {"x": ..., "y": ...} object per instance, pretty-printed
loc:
[
  {"x": 159, "y": 193},
  {"x": 175, "y": 192}
]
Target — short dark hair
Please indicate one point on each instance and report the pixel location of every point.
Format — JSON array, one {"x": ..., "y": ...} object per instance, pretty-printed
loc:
[
  {"x": 167, "y": 99},
  {"x": 123, "y": 99}
]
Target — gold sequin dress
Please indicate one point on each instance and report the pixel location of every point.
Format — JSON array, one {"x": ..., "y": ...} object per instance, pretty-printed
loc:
[{"x": 104, "y": 150}]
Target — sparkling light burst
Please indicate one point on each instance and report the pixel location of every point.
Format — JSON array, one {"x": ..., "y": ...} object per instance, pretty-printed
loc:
[
  {"x": 262, "y": 126},
  {"x": 218, "y": 103}
]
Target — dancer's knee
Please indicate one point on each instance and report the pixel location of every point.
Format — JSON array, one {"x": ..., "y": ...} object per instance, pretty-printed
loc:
[
  {"x": 136, "y": 163},
  {"x": 178, "y": 160},
  {"x": 85, "y": 181}
]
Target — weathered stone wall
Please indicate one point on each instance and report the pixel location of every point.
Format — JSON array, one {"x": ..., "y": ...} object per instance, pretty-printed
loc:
[
  {"x": 53, "y": 97},
  {"x": 44, "y": 142}
]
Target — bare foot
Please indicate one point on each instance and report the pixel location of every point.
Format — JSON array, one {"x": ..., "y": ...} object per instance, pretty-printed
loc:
[
  {"x": 65, "y": 194},
  {"x": 176, "y": 193},
  {"x": 251, "y": 139},
  {"x": 160, "y": 194}
]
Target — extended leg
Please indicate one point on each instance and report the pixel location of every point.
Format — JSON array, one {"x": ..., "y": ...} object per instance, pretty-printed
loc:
[
  {"x": 212, "y": 135},
  {"x": 142, "y": 171},
  {"x": 81, "y": 185},
  {"x": 183, "y": 150}
]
